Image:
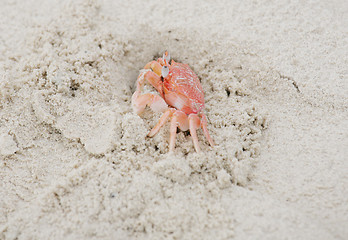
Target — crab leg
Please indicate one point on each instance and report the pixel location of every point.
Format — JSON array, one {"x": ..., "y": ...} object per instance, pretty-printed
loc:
[
  {"x": 194, "y": 123},
  {"x": 205, "y": 129},
  {"x": 168, "y": 113},
  {"x": 173, "y": 128},
  {"x": 179, "y": 120}
]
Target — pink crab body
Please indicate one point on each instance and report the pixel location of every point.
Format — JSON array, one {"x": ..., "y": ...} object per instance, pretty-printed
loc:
[
  {"x": 181, "y": 98},
  {"x": 183, "y": 90}
]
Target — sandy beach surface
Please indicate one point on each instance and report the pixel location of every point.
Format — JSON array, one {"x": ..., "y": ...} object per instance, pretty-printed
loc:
[{"x": 75, "y": 162}]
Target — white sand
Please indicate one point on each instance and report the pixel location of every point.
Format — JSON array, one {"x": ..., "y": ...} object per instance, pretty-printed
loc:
[{"x": 74, "y": 160}]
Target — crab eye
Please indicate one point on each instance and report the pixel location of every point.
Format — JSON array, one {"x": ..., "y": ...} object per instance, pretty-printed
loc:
[
  {"x": 165, "y": 71},
  {"x": 166, "y": 56}
]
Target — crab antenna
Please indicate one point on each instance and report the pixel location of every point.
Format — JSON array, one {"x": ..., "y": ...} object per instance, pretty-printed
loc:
[{"x": 166, "y": 57}]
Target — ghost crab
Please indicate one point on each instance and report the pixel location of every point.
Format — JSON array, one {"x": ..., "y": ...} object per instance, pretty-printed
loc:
[{"x": 180, "y": 98}]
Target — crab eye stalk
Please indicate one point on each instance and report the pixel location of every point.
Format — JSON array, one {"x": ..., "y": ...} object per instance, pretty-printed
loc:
[
  {"x": 166, "y": 56},
  {"x": 165, "y": 71}
]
